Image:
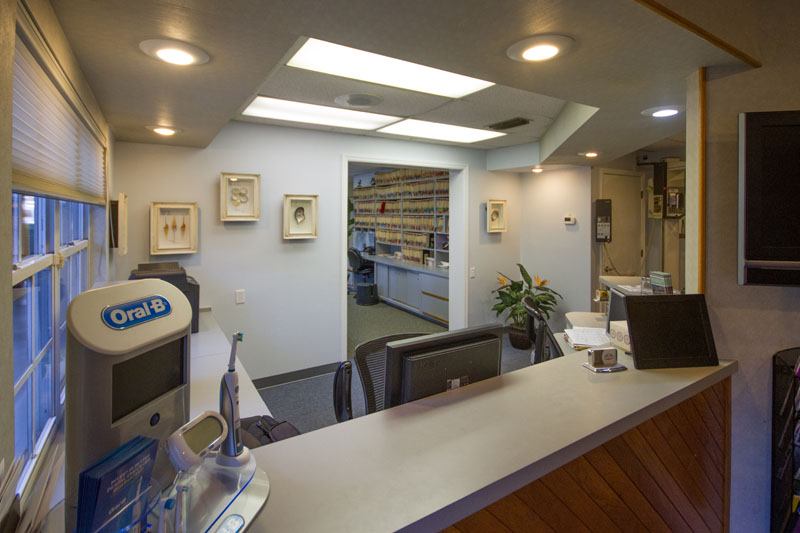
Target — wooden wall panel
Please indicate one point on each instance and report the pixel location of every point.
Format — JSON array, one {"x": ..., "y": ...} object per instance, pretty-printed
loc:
[{"x": 670, "y": 473}]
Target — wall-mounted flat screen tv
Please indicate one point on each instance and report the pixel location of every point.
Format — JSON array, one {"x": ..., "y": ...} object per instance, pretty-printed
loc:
[{"x": 769, "y": 186}]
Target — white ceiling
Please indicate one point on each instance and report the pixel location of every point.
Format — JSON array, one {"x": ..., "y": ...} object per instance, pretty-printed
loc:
[{"x": 626, "y": 59}]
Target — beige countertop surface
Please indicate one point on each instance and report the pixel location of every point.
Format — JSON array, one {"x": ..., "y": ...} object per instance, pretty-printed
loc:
[{"x": 426, "y": 464}]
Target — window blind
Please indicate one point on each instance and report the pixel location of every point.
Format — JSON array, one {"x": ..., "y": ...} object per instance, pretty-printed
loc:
[{"x": 53, "y": 153}]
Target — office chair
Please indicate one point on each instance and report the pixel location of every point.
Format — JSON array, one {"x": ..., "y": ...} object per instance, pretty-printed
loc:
[
  {"x": 545, "y": 345},
  {"x": 370, "y": 358},
  {"x": 357, "y": 264}
]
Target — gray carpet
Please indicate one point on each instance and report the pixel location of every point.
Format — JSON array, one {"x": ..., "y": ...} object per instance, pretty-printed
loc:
[
  {"x": 308, "y": 404},
  {"x": 367, "y": 322}
]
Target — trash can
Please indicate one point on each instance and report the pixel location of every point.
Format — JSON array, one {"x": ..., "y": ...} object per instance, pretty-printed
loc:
[{"x": 366, "y": 294}]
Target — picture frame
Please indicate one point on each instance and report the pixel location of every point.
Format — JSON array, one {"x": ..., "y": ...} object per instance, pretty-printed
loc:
[
  {"x": 239, "y": 197},
  {"x": 300, "y": 216},
  {"x": 173, "y": 228},
  {"x": 496, "y": 216}
]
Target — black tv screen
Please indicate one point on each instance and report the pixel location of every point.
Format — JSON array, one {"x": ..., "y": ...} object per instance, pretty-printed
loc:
[{"x": 769, "y": 183}]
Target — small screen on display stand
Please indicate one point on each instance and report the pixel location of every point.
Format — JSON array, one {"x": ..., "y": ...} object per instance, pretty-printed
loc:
[{"x": 141, "y": 379}]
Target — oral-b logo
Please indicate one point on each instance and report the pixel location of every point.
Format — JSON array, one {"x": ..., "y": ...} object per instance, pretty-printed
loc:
[{"x": 129, "y": 314}]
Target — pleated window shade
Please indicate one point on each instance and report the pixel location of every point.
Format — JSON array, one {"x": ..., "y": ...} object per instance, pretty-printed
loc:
[{"x": 53, "y": 152}]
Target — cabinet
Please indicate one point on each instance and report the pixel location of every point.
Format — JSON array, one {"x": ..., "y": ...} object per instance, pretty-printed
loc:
[
  {"x": 407, "y": 211},
  {"x": 418, "y": 292}
]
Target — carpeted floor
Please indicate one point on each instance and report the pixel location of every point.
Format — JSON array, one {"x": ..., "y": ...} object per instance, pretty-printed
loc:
[
  {"x": 308, "y": 404},
  {"x": 367, "y": 322}
]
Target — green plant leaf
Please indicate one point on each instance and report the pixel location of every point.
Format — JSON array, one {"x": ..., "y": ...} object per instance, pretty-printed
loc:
[{"x": 525, "y": 275}]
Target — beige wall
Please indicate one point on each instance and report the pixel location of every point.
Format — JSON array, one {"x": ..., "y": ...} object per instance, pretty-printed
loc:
[
  {"x": 750, "y": 323},
  {"x": 7, "y": 8}
]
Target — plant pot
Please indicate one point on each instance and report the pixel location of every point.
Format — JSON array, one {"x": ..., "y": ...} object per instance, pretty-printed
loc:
[{"x": 519, "y": 338}]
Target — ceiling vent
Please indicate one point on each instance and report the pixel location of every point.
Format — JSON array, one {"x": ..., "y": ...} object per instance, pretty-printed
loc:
[
  {"x": 358, "y": 100},
  {"x": 508, "y": 124}
]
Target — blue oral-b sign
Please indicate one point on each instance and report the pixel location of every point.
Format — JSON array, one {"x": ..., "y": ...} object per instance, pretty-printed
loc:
[{"x": 129, "y": 314}]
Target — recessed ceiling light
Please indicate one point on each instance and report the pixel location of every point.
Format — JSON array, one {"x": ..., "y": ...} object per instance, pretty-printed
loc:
[
  {"x": 174, "y": 52},
  {"x": 329, "y": 58},
  {"x": 164, "y": 130},
  {"x": 662, "y": 111},
  {"x": 589, "y": 154},
  {"x": 438, "y": 131},
  {"x": 537, "y": 170},
  {"x": 273, "y": 108},
  {"x": 540, "y": 47}
]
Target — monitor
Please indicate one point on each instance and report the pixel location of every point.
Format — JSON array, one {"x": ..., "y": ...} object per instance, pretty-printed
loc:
[
  {"x": 670, "y": 331},
  {"x": 616, "y": 308},
  {"x": 422, "y": 366}
]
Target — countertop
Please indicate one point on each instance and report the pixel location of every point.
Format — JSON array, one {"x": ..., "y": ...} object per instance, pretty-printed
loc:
[
  {"x": 408, "y": 265},
  {"x": 210, "y": 352},
  {"x": 616, "y": 282},
  {"x": 426, "y": 464}
]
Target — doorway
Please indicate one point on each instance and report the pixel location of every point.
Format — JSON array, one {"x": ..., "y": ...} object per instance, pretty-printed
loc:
[
  {"x": 624, "y": 255},
  {"x": 405, "y": 232}
]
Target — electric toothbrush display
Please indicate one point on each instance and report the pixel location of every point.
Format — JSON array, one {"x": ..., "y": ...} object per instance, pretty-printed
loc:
[{"x": 231, "y": 449}]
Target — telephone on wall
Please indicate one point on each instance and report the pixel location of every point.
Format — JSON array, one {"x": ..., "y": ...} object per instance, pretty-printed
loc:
[{"x": 602, "y": 220}]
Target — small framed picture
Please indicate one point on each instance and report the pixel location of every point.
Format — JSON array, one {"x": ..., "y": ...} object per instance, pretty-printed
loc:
[
  {"x": 173, "y": 228},
  {"x": 496, "y": 216},
  {"x": 239, "y": 197},
  {"x": 299, "y": 216}
]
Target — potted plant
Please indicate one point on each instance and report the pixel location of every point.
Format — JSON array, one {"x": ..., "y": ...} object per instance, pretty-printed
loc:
[{"x": 510, "y": 296}]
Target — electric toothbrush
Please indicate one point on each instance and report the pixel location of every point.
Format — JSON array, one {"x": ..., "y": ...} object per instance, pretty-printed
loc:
[{"x": 231, "y": 453}]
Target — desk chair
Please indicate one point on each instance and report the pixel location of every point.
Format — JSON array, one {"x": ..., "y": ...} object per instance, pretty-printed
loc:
[
  {"x": 545, "y": 345},
  {"x": 358, "y": 265},
  {"x": 370, "y": 358}
]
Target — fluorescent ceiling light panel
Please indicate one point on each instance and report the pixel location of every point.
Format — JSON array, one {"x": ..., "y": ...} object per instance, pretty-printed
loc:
[
  {"x": 329, "y": 58},
  {"x": 316, "y": 114},
  {"x": 441, "y": 132}
]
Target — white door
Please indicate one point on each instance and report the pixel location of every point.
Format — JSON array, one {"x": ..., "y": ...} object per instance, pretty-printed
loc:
[{"x": 624, "y": 255}]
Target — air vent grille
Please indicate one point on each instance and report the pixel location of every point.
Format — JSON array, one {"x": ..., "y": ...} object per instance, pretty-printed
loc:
[{"x": 508, "y": 124}]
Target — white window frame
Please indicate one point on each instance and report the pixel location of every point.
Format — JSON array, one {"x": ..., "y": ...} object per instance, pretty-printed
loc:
[{"x": 25, "y": 269}]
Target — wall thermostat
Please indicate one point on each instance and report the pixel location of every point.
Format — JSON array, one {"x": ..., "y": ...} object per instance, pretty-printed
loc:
[{"x": 570, "y": 219}]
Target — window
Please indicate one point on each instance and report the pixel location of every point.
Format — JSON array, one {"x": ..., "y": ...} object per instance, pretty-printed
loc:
[{"x": 50, "y": 267}]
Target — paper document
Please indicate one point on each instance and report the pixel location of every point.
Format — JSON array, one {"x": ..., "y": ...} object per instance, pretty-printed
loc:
[{"x": 580, "y": 336}]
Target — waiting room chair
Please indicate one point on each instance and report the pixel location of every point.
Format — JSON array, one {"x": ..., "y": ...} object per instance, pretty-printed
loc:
[
  {"x": 545, "y": 345},
  {"x": 370, "y": 358}
]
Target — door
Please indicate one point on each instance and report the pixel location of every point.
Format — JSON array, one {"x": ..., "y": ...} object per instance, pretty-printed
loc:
[{"x": 624, "y": 255}]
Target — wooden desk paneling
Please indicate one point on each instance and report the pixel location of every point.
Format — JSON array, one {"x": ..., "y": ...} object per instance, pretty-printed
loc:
[{"x": 671, "y": 473}]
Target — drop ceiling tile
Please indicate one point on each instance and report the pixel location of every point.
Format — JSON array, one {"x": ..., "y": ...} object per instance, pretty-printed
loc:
[
  {"x": 316, "y": 88},
  {"x": 516, "y": 102},
  {"x": 475, "y": 115}
]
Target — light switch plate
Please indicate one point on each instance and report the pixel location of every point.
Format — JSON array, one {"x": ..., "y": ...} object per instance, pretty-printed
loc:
[{"x": 240, "y": 297}]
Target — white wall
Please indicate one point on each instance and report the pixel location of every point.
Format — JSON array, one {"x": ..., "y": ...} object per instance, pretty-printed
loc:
[
  {"x": 498, "y": 251},
  {"x": 551, "y": 249},
  {"x": 291, "y": 318}
]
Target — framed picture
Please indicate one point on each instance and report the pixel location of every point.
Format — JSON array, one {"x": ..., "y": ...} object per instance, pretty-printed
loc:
[
  {"x": 239, "y": 197},
  {"x": 173, "y": 228},
  {"x": 299, "y": 216},
  {"x": 496, "y": 216}
]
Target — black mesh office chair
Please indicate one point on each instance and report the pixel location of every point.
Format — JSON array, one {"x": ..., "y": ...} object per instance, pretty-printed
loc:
[
  {"x": 370, "y": 358},
  {"x": 358, "y": 265},
  {"x": 545, "y": 345}
]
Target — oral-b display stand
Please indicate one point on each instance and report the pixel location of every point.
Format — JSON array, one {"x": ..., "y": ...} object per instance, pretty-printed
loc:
[{"x": 127, "y": 374}]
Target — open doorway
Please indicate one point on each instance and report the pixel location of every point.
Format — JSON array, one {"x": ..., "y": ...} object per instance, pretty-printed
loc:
[{"x": 404, "y": 227}]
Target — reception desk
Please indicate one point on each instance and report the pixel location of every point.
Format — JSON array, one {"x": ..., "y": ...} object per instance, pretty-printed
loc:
[{"x": 552, "y": 445}]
